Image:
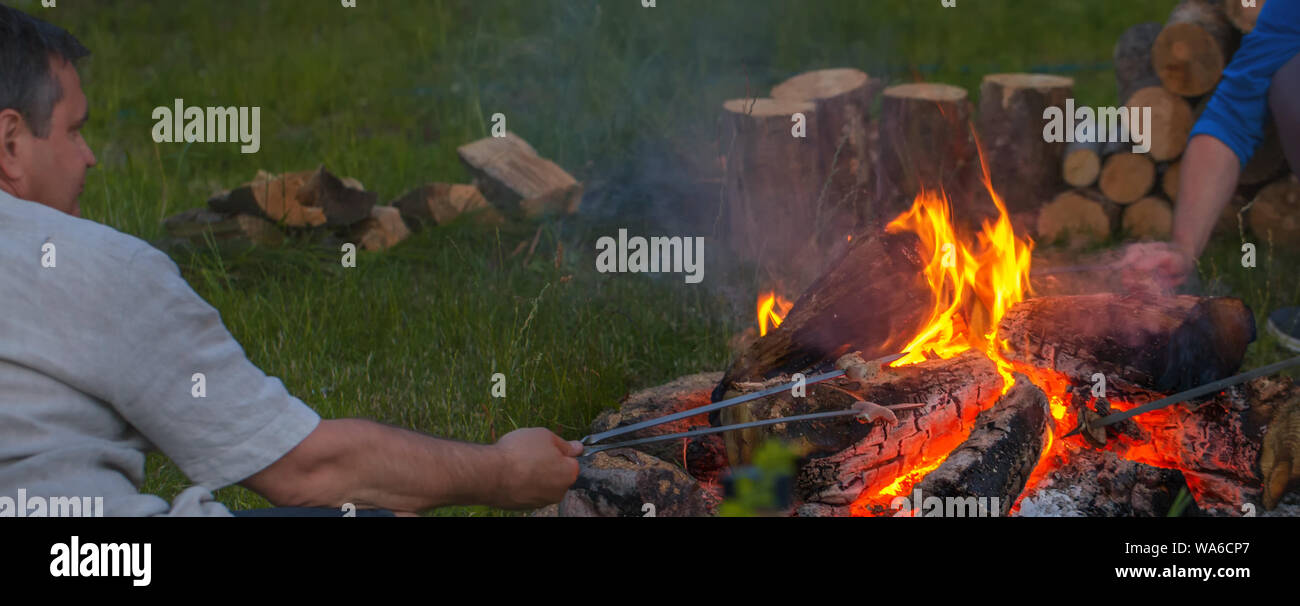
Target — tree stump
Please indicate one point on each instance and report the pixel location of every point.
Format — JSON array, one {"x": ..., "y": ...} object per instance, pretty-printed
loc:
[
  {"x": 1193, "y": 48},
  {"x": 1022, "y": 164},
  {"x": 925, "y": 143}
]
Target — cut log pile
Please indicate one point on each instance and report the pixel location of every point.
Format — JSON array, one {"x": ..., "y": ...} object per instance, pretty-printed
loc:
[
  {"x": 510, "y": 180},
  {"x": 1172, "y": 68}
]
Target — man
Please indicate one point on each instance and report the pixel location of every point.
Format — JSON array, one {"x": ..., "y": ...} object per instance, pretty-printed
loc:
[
  {"x": 1264, "y": 74},
  {"x": 101, "y": 338}
]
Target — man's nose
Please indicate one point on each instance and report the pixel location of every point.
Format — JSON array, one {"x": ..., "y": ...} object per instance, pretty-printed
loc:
[{"x": 90, "y": 157}]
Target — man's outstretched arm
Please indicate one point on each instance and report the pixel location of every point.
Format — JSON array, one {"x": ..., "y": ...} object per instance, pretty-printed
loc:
[{"x": 370, "y": 464}]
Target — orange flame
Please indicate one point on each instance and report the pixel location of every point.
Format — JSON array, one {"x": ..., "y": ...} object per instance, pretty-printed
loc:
[
  {"x": 772, "y": 309},
  {"x": 974, "y": 282}
]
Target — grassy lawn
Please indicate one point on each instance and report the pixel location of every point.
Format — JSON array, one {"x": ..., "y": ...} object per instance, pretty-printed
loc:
[{"x": 385, "y": 92}]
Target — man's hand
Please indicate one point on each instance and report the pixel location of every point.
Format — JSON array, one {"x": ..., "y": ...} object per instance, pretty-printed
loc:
[
  {"x": 1157, "y": 267},
  {"x": 538, "y": 468}
]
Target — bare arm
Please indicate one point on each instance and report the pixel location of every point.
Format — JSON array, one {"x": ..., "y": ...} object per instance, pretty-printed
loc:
[
  {"x": 373, "y": 465},
  {"x": 1207, "y": 179}
]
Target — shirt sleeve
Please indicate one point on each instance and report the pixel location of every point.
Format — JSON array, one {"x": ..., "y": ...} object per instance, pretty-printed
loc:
[
  {"x": 171, "y": 368},
  {"x": 1238, "y": 110}
]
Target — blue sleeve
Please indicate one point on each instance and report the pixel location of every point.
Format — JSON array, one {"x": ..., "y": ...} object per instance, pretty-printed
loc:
[{"x": 1237, "y": 112}]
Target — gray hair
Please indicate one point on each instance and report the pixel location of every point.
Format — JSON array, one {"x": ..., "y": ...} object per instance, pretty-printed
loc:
[{"x": 27, "y": 83}]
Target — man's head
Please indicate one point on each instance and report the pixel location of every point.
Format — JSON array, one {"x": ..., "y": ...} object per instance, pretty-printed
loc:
[{"x": 43, "y": 157}]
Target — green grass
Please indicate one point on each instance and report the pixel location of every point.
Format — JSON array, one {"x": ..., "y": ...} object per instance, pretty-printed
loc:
[{"x": 385, "y": 92}]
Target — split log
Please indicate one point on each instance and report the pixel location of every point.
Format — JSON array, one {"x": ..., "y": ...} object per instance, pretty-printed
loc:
[
  {"x": 440, "y": 203},
  {"x": 1275, "y": 213},
  {"x": 1022, "y": 164},
  {"x": 198, "y": 224},
  {"x": 1164, "y": 344},
  {"x": 1193, "y": 48},
  {"x": 1081, "y": 164},
  {"x": 843, "y": 100},
  {"x": 1169, "y": 179},
  {"x": 1079, "y": 217},
  {"x": 994, "y": 463},
  {"x": 774, "y": 179},
  {"x": 1243, "y": 17},
  {"x": 925, "y": 143},
  {"x": 1268, "y": 162},
  {"x": 514, "y": 178},
  {"x": 1133, "y": 68},
  {"x": 1098, "y": 483},
  {"x": 342, "y": 204},
  {"x": 873, "y": 299},
  {"x": 1171, "y": 121},
  {"x": 620, "y": 482},
  {"x": 1126, "y": 177},
  {"x": 704, "y": 457},
  {"x": 382, "y": 230},
  {"x": 271, "y": 197},
  {"x": 1149, "y": 218}
]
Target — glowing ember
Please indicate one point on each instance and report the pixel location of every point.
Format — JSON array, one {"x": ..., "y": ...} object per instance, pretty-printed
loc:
[{"x": 772, "y": 308}]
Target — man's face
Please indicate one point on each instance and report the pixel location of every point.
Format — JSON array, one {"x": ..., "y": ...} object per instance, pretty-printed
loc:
[{"x": 52, "y": 170}]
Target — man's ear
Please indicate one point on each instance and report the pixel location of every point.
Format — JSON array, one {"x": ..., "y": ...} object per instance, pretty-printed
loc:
[{"x": 13, "y": 129}]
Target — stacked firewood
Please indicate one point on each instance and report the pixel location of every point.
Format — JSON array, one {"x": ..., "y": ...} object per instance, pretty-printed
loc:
[
  {"x": 510, "y": 179},
  {"x": 1172, "y": 68}
]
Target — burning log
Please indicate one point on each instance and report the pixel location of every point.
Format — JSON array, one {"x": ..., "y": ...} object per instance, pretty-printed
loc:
[
  {"x": 1081, "y": 164},
  {"x": 514, "y": 178},
  {"x": 843, "y": 99},
  {"x": 1126, "y": 177},
  {"x": 1133, "y": 69},
  {"x": 1081, "y": 216},
  {"x": 1151, "y": 218},
  {"x": 1022, "y": 163},
  {"x": 773, "y": 179},
  {"x": 1193, "y": 48},
  {"x": 1088, "y": 482},
  {"x": 1001, "y": 452},
  {"x": 925, "y": 142},
  {"x": 1171, "y": 121},
  {"x": 1275, "y": 213},
  {"x": 872, "y": 299},
  {"x": 865, "y": 459},
  {"x": 1165, "y": 344}
]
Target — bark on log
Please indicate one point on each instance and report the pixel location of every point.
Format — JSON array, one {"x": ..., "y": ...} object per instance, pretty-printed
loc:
[
  {"x": 864, "y": 459},
  {"x": 1022, "y": 164},
  {"x": 1171, "y": 121},
  {"x": 873, "y": 299},
  {"x": 1133, "y": 68},
  {"x": 514, "y": 178},
  {"x": 342, "y": 203},
  {"x": 1243, "y": 17},
  {"x": 1150, "y": 218},
  {"x": 620, "y": 482},
  {"x": 704, "y": 457},
  {"x": 1275, "y": 213},
  {"x": 995, "y": 461},
  {"x": 925, "y": 142},
  {"x": 843, "y": 100},
  {"x": 1079, "y": 217},
  {"x": 773, "y": 179},
  {"x": 1164, "y": 344},
  {"x": 1126, "y": 177},
  {"x": 196, "y": 225},
  {"x": 1194, "y": 47},
  {"x": 1081, "y": 164}
]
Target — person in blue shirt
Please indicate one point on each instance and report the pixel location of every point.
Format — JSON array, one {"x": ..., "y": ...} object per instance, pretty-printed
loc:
[{"x": 1263, "y": 77}]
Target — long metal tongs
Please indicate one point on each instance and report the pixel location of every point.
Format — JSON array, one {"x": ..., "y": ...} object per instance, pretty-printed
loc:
[{"x": 591, "y": 446}]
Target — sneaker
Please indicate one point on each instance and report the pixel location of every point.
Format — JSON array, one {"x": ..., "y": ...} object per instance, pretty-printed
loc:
[{"x": 1285, "y": 325}]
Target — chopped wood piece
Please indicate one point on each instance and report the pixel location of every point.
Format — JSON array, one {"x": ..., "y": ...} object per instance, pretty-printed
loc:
[
  {"x": 1171, "y": 121},
  {"x": 514, "y": 178},
  {"x": 1080, "y": 217},
  {"x": 926, "y": 143},
  {"x": 1169, "y": 179},
  {"x": 194, "y": 224},
  {"x": 994, "y": 463},
  {"x": 1275, "y": 213},
  {"x": 342, "y": 205},
  {"x": 382, "y": 230},
  {"x": 1022, "y": 164},
  {"x": 1164, "y": 344},
  {"x": 1149, "y": 218},
  {"x": 1193, "y": 48},
  {"x": 1133, "y": 69},
  {"x": 1243, "y": 17},
  {"x": 1268, "y": 162},
  {"x": 620, "y": 482},
  {"x": 440, "y": 203},
  {"x": 271, "y": 197},
  {"x": 1126, "y": 177},
  {"x": 1081, "y": 164}
]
